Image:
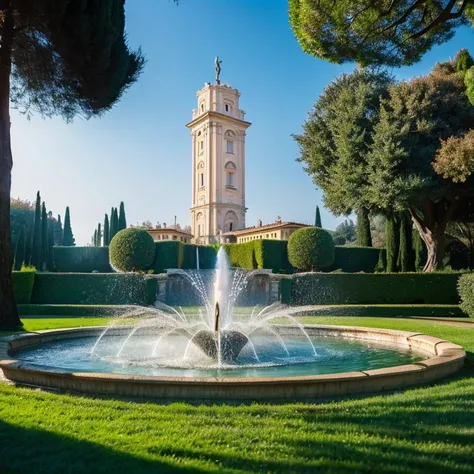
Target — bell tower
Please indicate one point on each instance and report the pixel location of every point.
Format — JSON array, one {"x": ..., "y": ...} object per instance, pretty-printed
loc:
[{"x": 218, "y": 162}]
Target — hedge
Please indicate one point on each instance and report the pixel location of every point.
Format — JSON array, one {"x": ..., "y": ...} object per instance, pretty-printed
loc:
[
  {"x": 378, "y": 288},
  {"x": 311, "y": 248},
  {"x": 82, "y": 259},
  {"x": 132, "y": 250},
  {"x": 23, "y": 283},
  {"x": 168, "y": 255},
  {"x": 93, "y": 289},
  {"x": 356, "y": 259},
  {"x": 273, "y": 255},
  {"x": 391, "y": 311},
  {"x": 466, "y": 292},
  {"x": 71, "y": 310}
]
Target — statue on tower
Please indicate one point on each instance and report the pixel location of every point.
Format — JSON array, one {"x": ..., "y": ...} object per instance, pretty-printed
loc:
[{"x": 217, "y": 62}]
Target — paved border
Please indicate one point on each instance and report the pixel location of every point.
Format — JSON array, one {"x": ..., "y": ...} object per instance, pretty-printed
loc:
[{"x": 444, "y": 359}]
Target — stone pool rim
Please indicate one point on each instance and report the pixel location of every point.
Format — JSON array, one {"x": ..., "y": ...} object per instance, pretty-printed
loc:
[{"x": 444, "y": 359}]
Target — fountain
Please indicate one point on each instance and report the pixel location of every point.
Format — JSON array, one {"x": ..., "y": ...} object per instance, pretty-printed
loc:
[{"x": 221, "y": 350}]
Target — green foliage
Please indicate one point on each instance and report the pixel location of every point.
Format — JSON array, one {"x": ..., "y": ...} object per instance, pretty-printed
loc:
[
  {"x": 114, "y": 224},
  {"x": 393, "y": 243},
  {"x": 338, "y": 135},
  {"x": 242, "y": 255},
  {"x": 377, "y": 288},
  {"x": 345, "y": 232},
  {"x": 391, "y": 311},
  {"x": 122, "y": 220},
  {"x": 58, "y": 232},
  {"x": 469, "y": 83},
  {"x": 50, "y": 258},
  {"x": 37, "y": 246},
  {"x": 168, "y": 255},
  {"x": 90, "y": 289},
  {"x": 20, "y": 249},
  {"x": 23, "y": 282},
  {"x": 44, "y": 237},
  {"x": 132, "y": 250},
  {"x": 311, "y": 248},
  {"x": 68, "y": 238},
  {"x": 99, "y": 235},
  {"x": 76, "y": 310},
  {"x": 272, "y": 255},
  {"x": 379, "y": 33},
  {"x": 82, "y": 259},
  {"x": 106, "y": 231},
  {"x": 356, "y": 259},
  {"x": 419, "y": 248},
  {"x": 463, "y": 61},
  {"x": 466, "y": 293},
  {"x": 381, "y": 266},
  {"x": 406, "y": 260},
  {"x": 364, "y": 238},
  {"x": 317, "y": 221}
]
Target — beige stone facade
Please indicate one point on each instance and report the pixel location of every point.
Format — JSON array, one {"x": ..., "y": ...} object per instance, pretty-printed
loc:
[
  {"x": 218, "y": 160},
  {"x": 277, "y": 231},
  {"x": 168, "y": 233}
]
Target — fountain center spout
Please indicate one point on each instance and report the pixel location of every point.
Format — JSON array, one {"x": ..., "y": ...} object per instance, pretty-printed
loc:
[{"x": 216, "y": 318}]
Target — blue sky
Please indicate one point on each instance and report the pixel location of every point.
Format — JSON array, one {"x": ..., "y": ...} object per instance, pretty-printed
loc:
[{"x": 140, "y": 152}]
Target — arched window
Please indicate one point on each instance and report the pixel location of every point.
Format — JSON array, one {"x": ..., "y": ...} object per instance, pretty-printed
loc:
[
  {"x": 230, "y": 221},
  {"x": 230, "y": 171},
  {"x": 229, "y": 139},
  {"x": 200, "y": 165}
]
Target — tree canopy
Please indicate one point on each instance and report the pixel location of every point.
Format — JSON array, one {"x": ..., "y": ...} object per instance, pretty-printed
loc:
[
  {"x": 376, "y": 32},
  {"x": 407, "y": 148}
]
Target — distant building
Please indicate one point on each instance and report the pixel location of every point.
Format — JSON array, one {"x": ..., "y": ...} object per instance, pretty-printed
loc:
[
  {"x": 168, "y": 233},
  {"x": 277, "y": 231}
]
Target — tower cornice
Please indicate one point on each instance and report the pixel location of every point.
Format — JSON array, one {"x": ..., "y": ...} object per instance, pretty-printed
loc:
[{"x": 217, "y": 115}]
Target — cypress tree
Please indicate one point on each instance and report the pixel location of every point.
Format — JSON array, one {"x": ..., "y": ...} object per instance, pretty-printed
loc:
[
  {"x": 36, "y": 254},
  {"x": 382, "y": 262},
  {"x": 392, "y": 243},
  {"x": 106, "y": 231},
  {"x": 99, "y": 235},
  {"x": 94, "y": 239},
  {"x": 419, "y": 249},
  {"x": 44, "y": 237},
  {"x": 68, "y": 238},
  {"x": 58, "y": 232},
  {"x": 51, "y": 231},
  {"x": 28, "y": 245},
  {"x": 405, "y": 254},
  {"x": 20, "y": 249},
  {"x": 317, "y": 221},
  {"x": 364, "y": 238},
  {"x": 114, "y": 223},
  {"x": 122, "y": 221}
]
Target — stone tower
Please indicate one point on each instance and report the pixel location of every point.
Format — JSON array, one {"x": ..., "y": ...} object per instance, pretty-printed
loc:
[{"x": 218, "y": 136}]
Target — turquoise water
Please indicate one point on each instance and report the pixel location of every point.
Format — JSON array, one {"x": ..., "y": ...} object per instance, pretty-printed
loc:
[{"x": 141, "y": 356}]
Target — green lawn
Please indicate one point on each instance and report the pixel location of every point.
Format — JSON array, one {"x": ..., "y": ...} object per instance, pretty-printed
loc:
[{"x": 428, "y": 429}]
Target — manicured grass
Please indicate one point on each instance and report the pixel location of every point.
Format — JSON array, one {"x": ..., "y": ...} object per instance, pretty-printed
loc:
[{"x": 427, "y": 429}]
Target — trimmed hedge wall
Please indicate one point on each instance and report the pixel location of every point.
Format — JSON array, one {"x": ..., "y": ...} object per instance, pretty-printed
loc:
[
  {"x": 356, "y": 259},
  {"x": 390, "y": 311},
  {"x": 168, "y": 255},
  {"x": 82, "y": 259},
  {"x": 466, "y": 292},
  {"x": 273, "y": 255},
  {"x": 93, "y": 289},
  {"x": 379, "y": 288},
  {"x": 23, "y": 283}
]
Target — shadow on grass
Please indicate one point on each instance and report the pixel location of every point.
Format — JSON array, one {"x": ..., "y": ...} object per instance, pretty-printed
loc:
[{"x": 26, "y": 450}]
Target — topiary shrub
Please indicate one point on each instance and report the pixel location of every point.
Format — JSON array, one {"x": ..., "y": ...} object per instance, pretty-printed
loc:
[
  {"x": 132, "y": 250},
  {"x": 466, "y": 292},
  {"x": 312, "y": 249}
]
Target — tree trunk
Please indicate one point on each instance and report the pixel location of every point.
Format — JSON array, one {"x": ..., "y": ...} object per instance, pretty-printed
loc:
[
  {"x": 8, "y": 312},
  {"x": 432, "y": 228}
]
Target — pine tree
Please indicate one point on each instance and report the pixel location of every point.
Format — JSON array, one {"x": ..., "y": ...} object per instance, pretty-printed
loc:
[
  {"x": 36, "y": 254},
  {"x": 99, "y": 235},
  {"x": 20, "y": 249},
  {"x": 364, "y": 238},
  {"x": 51, "y": 230},
  {"x": 58, "y": 232},
  {"x": 122, "y": 221},
  {"x": 44, "y": 237},
  {"x": 317, "y": 221},
  {"x": 68, "y": 238},
  {"x": 393, "y": 243},
  {"x": 106, "y": 231},
  {"x": 405, "y": 255}
]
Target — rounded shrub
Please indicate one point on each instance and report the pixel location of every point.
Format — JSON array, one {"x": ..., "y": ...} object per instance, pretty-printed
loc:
[
  {"x": 132, "y": 250},
  {"x": 312, "y": 249}
]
